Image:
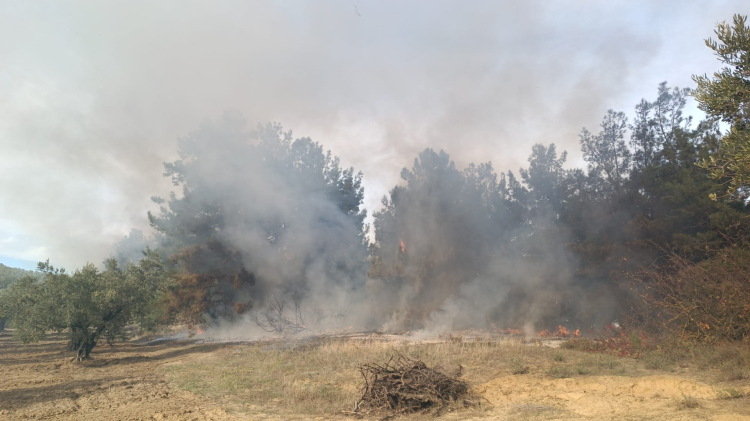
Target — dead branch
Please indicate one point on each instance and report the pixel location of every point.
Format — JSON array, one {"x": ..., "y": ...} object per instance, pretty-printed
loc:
[
  {"x": 404, "y": 385},
  {"x": 274, "y": 318}
]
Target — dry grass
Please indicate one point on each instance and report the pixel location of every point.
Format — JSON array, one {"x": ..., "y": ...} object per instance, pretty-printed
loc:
[
  {"x": 323, "y": 378},
  {"x": 688, "y": 402},
  {"x": 727, "y": 362},
  {"x": 281, "y": 380},
  {"x": 730, "y": 393}
]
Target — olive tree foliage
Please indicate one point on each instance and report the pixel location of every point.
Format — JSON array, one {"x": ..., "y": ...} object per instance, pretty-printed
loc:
[
  {"x": 89, "y": 306},
  {"x": 726, "y": 96}
]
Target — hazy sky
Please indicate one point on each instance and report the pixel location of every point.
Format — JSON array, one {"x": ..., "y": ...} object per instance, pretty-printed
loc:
[{"x": 95, "y": 94}]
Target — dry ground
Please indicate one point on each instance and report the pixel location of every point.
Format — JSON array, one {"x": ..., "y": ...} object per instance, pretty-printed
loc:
[{"x": 317, "y": 379}]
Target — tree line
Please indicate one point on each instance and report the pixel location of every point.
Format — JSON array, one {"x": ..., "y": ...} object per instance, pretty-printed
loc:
[{"x": 662, "y": 201}]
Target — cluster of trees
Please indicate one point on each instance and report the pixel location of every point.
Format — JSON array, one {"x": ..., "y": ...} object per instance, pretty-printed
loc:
[
  {"x": 263, "y": 217},
  {"x": 565, "y": 231},
  {"x": 8, "y": 276},
  {"x": 559, "y": 240},
  {"x": 90, "y": 305}
]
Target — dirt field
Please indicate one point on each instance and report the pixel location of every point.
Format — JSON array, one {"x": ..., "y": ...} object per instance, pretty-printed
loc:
[{"x": 317, "y": 379}]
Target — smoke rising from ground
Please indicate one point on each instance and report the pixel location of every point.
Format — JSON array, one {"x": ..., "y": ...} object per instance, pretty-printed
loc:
[
  {"x": 261, "y": 216},
  {"x": 95, "y": 95},
  {"x": 269, "y": 225}
]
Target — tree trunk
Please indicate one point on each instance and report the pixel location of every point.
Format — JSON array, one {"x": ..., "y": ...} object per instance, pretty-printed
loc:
[
  {"x": 82, "y": 342},
  {"x": 83, "y": 348},
  {"x": 2, "y": 323}
]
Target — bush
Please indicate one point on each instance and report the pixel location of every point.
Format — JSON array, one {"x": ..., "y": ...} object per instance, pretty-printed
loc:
[{"x": 707, "y": 301}]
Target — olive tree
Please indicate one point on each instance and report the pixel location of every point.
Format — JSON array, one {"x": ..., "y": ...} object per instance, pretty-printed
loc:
[
  {"x": 726, "y": 96},
  {"x": 89, "y": 306}
]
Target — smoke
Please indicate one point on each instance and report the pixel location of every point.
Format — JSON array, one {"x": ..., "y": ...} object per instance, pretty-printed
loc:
[
  {"x": 458, "y": 249},
  {"x": 272, "y": 226},
  {"x": 96, "y": 94},
  {"x": 261, "y": 219}
]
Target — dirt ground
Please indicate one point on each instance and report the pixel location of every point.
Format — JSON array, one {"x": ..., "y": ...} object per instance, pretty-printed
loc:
[
  {"x": 39, "y": 381},
  {"x": 183, "y": 381},
  {"x": 656, "y": 397}
]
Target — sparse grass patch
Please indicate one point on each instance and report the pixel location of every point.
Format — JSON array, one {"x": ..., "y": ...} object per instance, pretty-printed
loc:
[
  {"x": 518, "y": 366},
  {"x": 658, "y": 361},
  {"x": 721, "y": 355},
  {"x": 730, "y": 393},
  {"x": 620, "y": 343},
  {"x": 585, "y": 364},
  {"x": 558, "y": 357},
  {"x": 688, "y": 402},
  {"x": 728, "y": 362},
  {"x": 607, "y": 362},
  {"x": 732, "y": 374},
  {"x": 582, "y": 370},
  {"x": 560, "y": 372},
  {"x": 530, "y": 410}
]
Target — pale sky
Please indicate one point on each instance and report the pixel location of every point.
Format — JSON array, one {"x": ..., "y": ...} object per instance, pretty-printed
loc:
[{"x": 95, "y": 94}]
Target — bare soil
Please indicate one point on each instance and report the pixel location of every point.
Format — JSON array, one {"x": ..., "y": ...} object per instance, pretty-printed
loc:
[
  {"x": 39, "y": 381},
  {"x": 319, "y": 379}
]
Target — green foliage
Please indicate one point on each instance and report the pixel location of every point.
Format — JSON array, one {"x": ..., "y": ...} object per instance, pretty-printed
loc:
[
  {"x": 730, "y": 393},
  {"x": 443, "y": 224},
  {"x": 607, "y": 154},
  {"x": 89, "y": 305},
  {"x": 22, "y": 303},
  {"x": 8, "y": 275},
  {"x": 257, "y": 207},
  {"x": 673, "y": 208},
  {"x": 560, "y": 372},
  {"x": 726, "y": 96}
]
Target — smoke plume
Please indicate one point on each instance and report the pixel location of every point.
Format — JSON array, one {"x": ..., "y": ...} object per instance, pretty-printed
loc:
[{"x": 96, "y": 94}]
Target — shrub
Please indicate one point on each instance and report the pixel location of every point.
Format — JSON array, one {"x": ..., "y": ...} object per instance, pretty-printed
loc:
[{"x": 707, "y": 301}]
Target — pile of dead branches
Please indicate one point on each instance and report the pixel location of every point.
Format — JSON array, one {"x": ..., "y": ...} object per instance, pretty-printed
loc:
[{"x": 404, "y": 385}]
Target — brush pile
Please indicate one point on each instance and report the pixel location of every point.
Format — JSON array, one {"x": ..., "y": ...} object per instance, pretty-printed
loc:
[{"x": 404, "y": 385}]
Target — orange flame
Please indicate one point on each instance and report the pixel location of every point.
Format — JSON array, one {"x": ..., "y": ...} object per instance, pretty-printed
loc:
[
  {"x": 200, "y": 331},
  {"x": 403, "y": 247},
  {"x": 561, "y": 332}
]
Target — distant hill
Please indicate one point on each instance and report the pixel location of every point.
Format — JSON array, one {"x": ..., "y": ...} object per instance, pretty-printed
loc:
[{"x": 8, "y": 275}]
